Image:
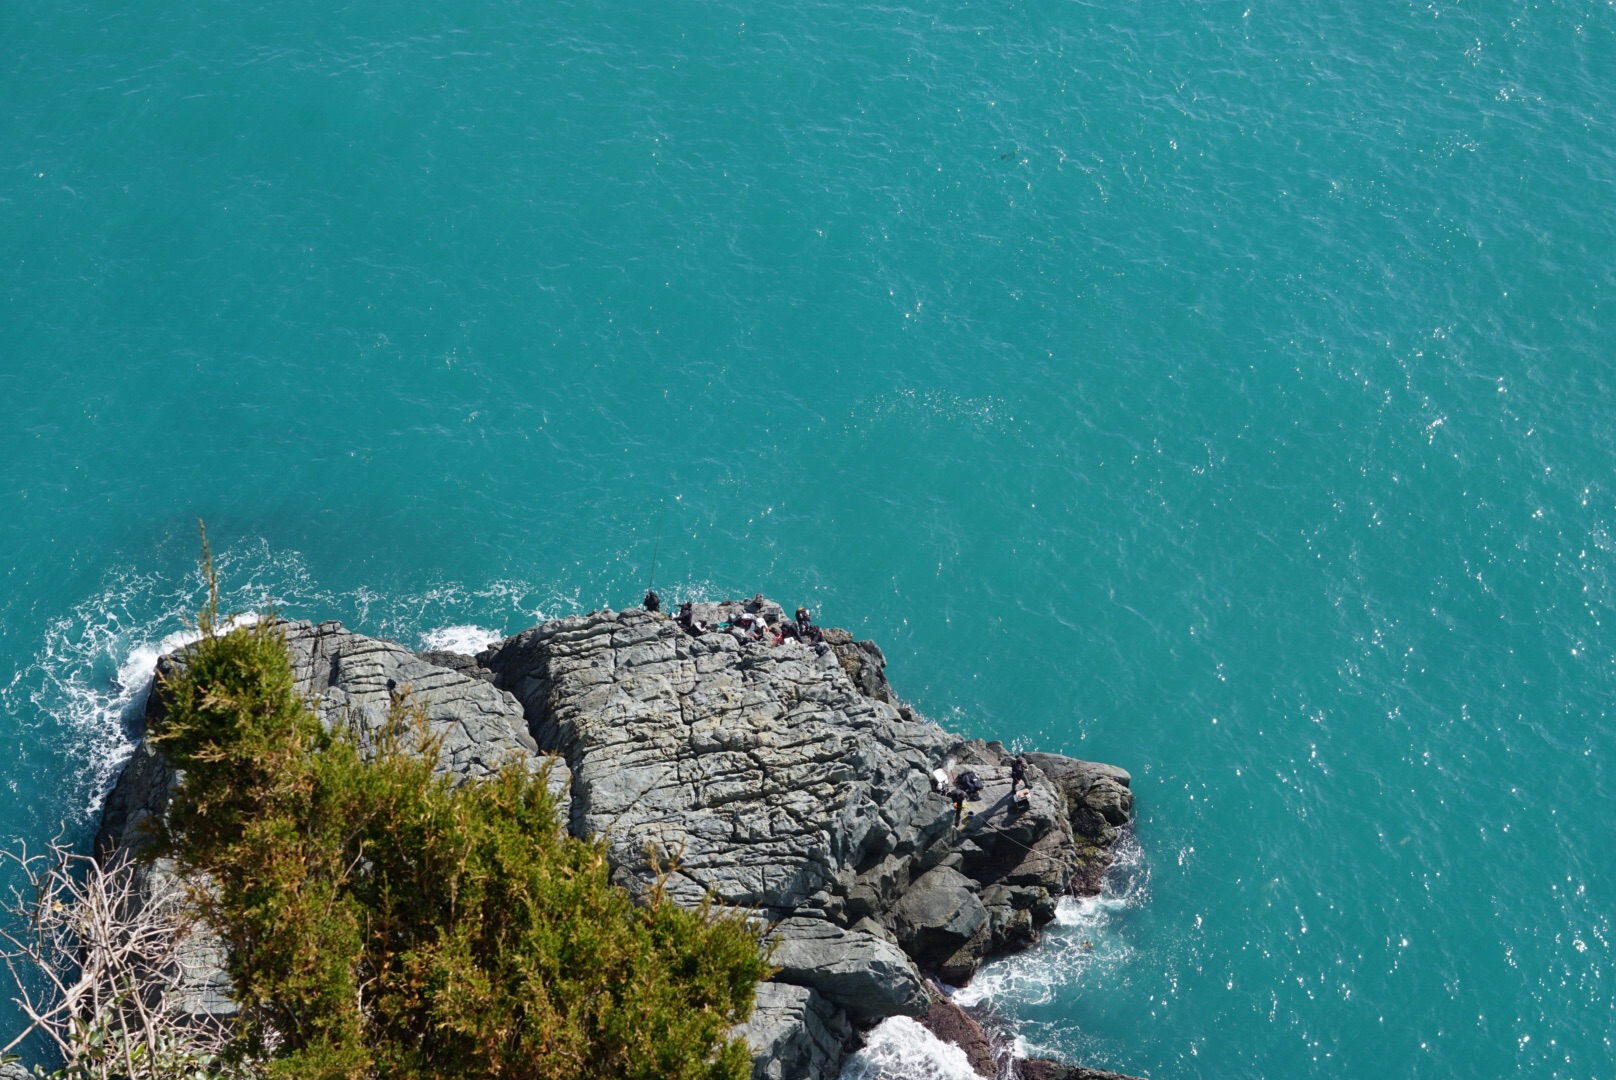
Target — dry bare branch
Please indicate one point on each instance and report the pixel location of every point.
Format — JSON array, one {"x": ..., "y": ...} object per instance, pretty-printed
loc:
[{"x": 96, "y": 954}]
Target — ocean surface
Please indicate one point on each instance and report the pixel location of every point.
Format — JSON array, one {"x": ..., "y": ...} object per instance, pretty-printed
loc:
[{"x": 1222, "y": 390}]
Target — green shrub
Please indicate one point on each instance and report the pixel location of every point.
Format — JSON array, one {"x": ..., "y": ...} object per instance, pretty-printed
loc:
[{"x": 383, "y": 922}]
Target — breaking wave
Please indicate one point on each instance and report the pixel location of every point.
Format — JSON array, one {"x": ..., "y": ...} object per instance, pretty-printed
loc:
[
  {"x": 1085, "y": 939},
  {"x": 81, "y": 698},
  {"x": 464, "y": 639},
  {"x": 900, "y": 1049},
  {"x": 85, "y": 690}
]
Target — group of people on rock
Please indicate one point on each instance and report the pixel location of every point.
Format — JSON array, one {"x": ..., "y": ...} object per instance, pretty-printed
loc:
[
  {"x": 751, "y": 625},
  {"x": 967, "y": 788}
]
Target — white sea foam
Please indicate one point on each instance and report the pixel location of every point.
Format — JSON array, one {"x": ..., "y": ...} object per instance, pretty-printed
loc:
[
  {"x": 900, "y": 1049},
  {"x": 83, "y": 693},
  {"x": 1084, "y": 938},
  {"x": 86, "y": 688},
  {"x": 465, "y": 639}
]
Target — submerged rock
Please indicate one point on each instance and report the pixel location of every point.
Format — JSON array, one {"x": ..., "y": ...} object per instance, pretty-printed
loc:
[
  {"x": 1045, "y": 1069},
  {"x": 785, "y": 780}
]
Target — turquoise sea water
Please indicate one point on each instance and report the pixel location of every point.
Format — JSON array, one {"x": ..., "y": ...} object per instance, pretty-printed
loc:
[{"x": 1221, "y": 390}]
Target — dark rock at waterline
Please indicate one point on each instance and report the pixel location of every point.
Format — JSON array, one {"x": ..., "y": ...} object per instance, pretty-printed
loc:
[
  {"x": 788, "y": 778},
  {"x": 459, "y": 663},
  {"x": 953, "y": 1024}
]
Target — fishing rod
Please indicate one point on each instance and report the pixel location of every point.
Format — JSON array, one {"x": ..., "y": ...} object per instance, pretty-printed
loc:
[{"x": 650, "y": 584}]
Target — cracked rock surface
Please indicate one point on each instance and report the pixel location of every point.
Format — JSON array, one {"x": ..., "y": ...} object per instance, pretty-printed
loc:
[
  {"x": 785, "y": 779},
  {"x": 347, "y": 675},
  {"x": 762, "y": 768}
]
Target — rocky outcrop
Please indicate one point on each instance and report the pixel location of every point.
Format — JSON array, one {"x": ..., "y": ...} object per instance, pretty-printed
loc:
[
  {"x": 1099, "y": 800},
  {"x": 783, "y": 779},
  {"x": 941, "y": 922}
]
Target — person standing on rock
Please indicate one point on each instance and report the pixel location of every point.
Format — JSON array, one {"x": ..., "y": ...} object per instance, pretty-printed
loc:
[{"x": 1018, "y": 774}]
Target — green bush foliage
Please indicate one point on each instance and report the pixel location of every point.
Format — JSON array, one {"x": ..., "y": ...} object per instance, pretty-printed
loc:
[{"x": 382, "y": 921}]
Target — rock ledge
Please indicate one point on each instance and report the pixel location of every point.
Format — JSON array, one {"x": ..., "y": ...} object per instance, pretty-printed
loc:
[{"x": 787, "y": 778}]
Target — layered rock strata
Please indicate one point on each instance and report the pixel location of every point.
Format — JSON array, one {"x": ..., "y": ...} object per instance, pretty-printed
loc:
[{"x": 787, "y": 780}]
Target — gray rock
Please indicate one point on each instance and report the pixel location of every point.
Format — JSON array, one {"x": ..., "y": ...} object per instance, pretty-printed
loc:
[
  {"x": 457, "y": 662},
  {"x": 870, "y": 926},
  {"x": 877, "y": 888},
  {"x": 350, "y": 678},
  {"x": 938, "y": 918},
  {"x": 1113, "y": 801},
  {"x": 763, "y": 769},
  {"x": 357, "y": 678},
  {"x": 1104, "y": 788},
  {"x": 1099, "y": 800},
  {"x": 863, "y": 972},
  {"x": 794, "y": 1034},
  {"x": 865, "y": 664},
  {"x": 136, "y": 802}
]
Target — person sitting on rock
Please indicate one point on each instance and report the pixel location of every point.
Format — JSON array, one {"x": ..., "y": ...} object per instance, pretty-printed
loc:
[
  {"x": 687, "y": 619},
  {"x": 1018, "y": 774},
  {"x": 970, "y": 783},
  {"x": 804, "y": 621},
  {"x": 653, "y": 602}
]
